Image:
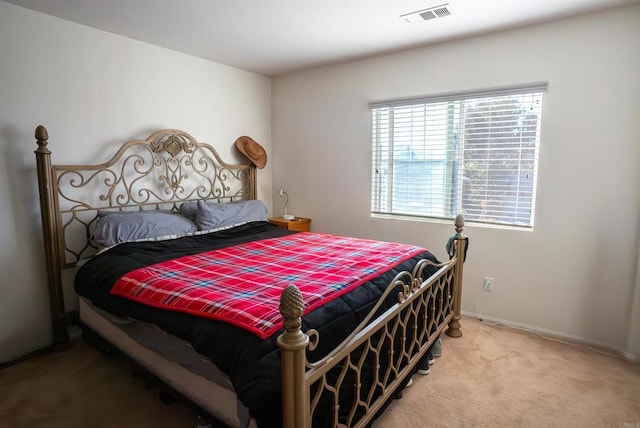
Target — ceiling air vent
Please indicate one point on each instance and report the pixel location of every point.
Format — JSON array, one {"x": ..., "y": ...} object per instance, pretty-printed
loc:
[{"x": 427, "y": 14}]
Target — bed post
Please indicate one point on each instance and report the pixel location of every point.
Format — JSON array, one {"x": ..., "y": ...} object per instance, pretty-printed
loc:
[
  {"x": 293, "y": 344},
  {"x": 49, "y": 230},
  {"x": 459, "y": 244},
  {"x": 253, "y": 182}
]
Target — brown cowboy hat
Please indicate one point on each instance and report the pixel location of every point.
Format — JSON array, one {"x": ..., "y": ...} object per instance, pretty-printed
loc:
[{"x": 252, "y": 150}]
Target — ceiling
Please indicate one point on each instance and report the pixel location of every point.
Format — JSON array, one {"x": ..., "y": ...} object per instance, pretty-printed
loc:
[{"x": 274, "y": 37}]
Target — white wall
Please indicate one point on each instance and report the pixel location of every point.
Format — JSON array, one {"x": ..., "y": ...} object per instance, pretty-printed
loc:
[
  {"x": 574, "y": 274},
  {"x": 94, "y": 90},
  {"x": 633, "y": 338}
]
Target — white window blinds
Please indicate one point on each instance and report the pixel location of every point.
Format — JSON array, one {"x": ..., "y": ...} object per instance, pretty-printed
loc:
[{"x": 471, "y": 153}]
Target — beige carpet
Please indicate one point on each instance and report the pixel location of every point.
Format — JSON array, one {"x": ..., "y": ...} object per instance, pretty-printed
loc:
[
  {"x": 491, "y": 377},
  {"x": 501, "y": 377}
]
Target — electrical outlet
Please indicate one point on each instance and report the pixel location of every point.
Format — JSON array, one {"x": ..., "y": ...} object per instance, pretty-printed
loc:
[
  {"x": 281, "y": 192},
  {"x": 488, "y": 284}
]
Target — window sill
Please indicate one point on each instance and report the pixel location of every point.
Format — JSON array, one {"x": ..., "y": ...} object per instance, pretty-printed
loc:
[{"x": 449, "y": 221}]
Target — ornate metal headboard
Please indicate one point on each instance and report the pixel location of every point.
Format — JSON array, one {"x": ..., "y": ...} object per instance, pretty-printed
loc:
[{"x": 160, "y": 172}]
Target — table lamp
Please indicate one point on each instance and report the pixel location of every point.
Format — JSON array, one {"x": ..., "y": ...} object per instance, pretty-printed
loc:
[{"x": 286, "y": 216}]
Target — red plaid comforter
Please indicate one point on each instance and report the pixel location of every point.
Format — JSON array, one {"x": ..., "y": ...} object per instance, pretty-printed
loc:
[{"x": 242, "y": 284}]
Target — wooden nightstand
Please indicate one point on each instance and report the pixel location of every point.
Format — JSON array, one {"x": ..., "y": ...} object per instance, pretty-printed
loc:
[{"x": 300, "y": 224}]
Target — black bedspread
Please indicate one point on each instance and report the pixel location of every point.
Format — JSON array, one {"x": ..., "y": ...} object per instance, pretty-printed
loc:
[{"x": 252, "y": 364}]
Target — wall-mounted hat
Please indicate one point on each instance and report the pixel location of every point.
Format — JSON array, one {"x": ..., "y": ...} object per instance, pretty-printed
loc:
[{"x": 252, "y": 150}]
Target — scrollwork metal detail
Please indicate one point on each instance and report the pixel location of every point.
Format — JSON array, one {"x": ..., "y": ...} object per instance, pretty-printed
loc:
[
  {"x": 162, "y": 171},
  {"x": 314, "y": 339},
  {"x": 173, "y": 144}
]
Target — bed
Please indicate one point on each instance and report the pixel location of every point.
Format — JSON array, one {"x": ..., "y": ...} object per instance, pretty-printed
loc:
[{"x": 322, "y": 354}]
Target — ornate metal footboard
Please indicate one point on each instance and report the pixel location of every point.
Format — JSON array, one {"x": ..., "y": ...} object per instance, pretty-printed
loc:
[{"x": 372, "y": 362}]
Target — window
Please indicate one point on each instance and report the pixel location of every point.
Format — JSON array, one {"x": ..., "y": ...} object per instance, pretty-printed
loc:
[{"x": 473, "y": 153}]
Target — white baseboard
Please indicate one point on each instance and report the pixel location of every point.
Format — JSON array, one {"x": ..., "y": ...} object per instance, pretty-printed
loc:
[{"x": 559, "y": 336}]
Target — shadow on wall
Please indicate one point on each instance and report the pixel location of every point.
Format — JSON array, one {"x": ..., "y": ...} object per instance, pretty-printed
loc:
[
  {"x": 607, "y": 299},
  {"x": 24, "y": 302},
  {"x": 23, "y": 213}
]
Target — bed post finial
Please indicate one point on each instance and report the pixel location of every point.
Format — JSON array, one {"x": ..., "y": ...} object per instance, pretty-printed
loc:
[
  {"x": 52, "y": 252},
  {"x": 293, "y": 344},
  {"x": 41, "y": 137},
  {"x": 459, "y": 225},
  {"x": 459, "y": 249},
  {"x": 291, "y": 308}
]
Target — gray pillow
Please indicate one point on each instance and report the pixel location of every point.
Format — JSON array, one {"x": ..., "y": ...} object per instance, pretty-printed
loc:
[
  {"x": 102, "y": 213},
  {"x": 112, "y": 228},
  {"x": 212, "y": 215},
  {"x": 189, "y": 209}
]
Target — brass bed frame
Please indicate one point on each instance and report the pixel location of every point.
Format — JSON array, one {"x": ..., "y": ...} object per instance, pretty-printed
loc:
[{"x": 170, "y": 167}]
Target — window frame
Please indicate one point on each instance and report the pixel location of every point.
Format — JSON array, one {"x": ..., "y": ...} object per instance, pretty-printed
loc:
[{"x": 453, "y": 194}]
